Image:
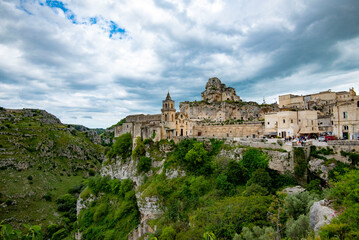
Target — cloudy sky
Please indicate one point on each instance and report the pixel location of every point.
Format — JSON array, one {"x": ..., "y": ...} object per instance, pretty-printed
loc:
[{"x": 93, "y": 62}]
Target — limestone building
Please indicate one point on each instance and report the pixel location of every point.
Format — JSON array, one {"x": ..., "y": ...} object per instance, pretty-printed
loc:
[
  {"x": 322, "y": 101},
  {"x": 292, "y": 124},
  {"x": 346, "y": 119}
]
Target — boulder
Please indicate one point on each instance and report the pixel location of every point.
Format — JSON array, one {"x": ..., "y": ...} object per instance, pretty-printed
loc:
[{"x": 320, "y": 213}]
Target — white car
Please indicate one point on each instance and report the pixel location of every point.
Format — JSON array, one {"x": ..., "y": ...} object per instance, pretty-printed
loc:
[{"x": 321, "y": 139}]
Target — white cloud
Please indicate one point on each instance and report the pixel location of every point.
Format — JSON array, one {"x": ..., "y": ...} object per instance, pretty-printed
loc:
[{"x": 77, "y": 70}]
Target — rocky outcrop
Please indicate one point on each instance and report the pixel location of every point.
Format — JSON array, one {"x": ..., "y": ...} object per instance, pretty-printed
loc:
[
  {"x": 174, "y": 173},
  {"x": 293, "y": 190},
  {"x": 318, "y": 167},
  {"x": 149, "y": 207},
  {"x": 279, "y": 161},
  {"x": 83, "y": 203},
  {"x": 122, "y": 170},
  {"x": 320, "y": 213}
]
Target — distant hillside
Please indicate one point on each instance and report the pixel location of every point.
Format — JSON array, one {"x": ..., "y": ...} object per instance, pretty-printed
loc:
[{"x": 40, "y": 160}]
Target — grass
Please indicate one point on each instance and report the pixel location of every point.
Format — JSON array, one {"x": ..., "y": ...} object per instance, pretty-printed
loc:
[{"x": 55, "y": 157}]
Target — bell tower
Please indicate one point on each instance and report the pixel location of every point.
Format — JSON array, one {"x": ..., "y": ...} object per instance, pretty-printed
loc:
[{"x": 168, "y": 116}]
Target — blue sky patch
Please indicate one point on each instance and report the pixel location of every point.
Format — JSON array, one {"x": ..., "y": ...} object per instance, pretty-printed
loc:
[
  {"x": 93, "y": 20},
  {"x": 60, "y": 5},
  {"x": 114, "y": 29}
]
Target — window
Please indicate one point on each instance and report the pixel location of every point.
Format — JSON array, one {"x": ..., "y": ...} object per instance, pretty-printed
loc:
[
  {"x": 312, "y": 122},
  {"x": 283, "y": 120},
  {"x": 268, "y": 123},
  {"x": 345, "y": 114},
  {"x": 357, "y": 103},
  {"x": 291, "y": 121},
  {"x": 346, "y": 127}
]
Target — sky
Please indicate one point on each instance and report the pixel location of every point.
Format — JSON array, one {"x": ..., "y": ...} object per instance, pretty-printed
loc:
[{"x": 94, "y": 62}]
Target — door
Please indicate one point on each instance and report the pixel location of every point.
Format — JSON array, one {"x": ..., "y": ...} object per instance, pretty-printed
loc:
[{"x": 345, "y": 135}]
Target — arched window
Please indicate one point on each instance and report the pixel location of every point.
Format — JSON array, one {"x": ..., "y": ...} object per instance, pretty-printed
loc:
[
  {"x": 357, "y": 103},
  {"x": 165, "y": 105},
  {"x": 165, "y": 117}
]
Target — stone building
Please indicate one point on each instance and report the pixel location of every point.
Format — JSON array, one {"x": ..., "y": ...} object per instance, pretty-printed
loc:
[
  {"x": 222, "y": 114},
  {"x": 291, "y": 124},
  {"x": 346, "y": 119},
  {"x": 322, "y": 101}
]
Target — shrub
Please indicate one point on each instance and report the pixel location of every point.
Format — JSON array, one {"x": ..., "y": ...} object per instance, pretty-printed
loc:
[
  {"x": 168, "y": 233},
  {"x": 144, "y": 164},
  {"x": 300, "y": 162},
  {"x": 197, "y": 160},
  {"x": 255, "y": 189},
  {"x": 122, "y": 147},
  {"x": 253, "y": 159},
  {"x": 66, "y": 203},
  {"x": 236, "y": 173},
  {"x": 100, "y": 212},
  {"x": 223, "y": 185},
  {"x": 29, "y": 177},
  {"x": 47, "y": 197},
  {"x": 140, "y": 149},
  {"x": 60, "y": 234},
  {"x": 262, "y": 178},
  {"x": 299, "y": 204},
  {"x": 298, "y": 229}
]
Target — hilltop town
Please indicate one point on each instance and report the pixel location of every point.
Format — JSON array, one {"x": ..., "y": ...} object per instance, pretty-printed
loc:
[{"x": 222, "y": 114}]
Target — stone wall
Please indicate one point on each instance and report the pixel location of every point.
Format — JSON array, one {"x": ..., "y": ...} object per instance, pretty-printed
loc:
[
  {"x": 250, "y": 130},
  {"x": 225, "y": 110}
]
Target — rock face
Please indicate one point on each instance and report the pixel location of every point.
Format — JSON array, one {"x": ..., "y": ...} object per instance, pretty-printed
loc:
[
  {"x": 279, "y": 161},
  {"x": 223, "y": 111},
  {"x": 320, "y": 214},
  {"x": 122, "y": 170},
  {"x": 218, "y": 92},
  {"x": 293, "y": 190},
  {"x": 318, "y": 167}
]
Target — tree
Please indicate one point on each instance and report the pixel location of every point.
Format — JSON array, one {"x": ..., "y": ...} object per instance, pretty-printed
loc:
[
  {"x": 262, "y": 178},
  {"x": 197, "y": 159},
  {"x": 253, "y": 159},
  {"x": 122, "y": 147},
  {"x": 298, "y": 229}
]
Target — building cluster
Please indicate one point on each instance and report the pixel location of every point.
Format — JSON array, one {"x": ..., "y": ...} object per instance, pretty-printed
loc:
[
  {"x": 324, "y": 113},
  {"x": 221, "y": 114}
]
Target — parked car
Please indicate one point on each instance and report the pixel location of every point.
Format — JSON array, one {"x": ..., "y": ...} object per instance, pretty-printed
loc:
[
  {"x": 321, "y": 139},
  {"x": 329, "y": 138}
]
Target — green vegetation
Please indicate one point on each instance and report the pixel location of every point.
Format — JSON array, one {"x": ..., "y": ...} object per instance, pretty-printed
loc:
[
  {"x": 345, "y": 195},
  {"x": 122, "y": 147},
  {"x": 300, "y": 162},
  {"x": 217, "y": 197},
  {"x": 41, "y": 159},
  {"x": 113, "y": 213}
]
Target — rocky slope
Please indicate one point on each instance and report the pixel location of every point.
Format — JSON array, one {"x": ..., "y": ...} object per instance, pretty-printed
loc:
[{"x": 40, "y": 159}]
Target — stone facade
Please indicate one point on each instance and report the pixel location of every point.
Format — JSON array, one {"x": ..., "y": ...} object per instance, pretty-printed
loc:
[
  {"x": 220, "y": 114},
  {"x": 323, "y": 101},
  {"x": 346, "y": 119},
  {"x": 291, "y": 123}
]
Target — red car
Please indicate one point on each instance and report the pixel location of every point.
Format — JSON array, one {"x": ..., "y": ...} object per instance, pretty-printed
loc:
[{"x": 329, "y": 138}]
